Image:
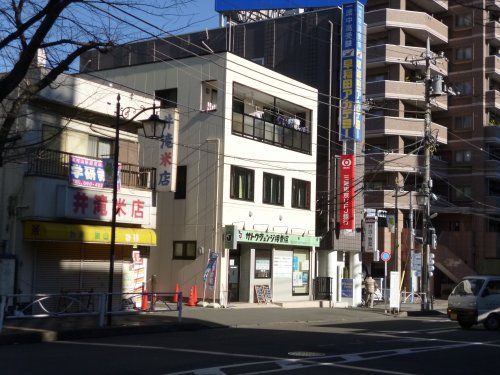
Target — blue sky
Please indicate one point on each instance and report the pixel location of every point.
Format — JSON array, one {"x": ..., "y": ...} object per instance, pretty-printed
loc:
[{"x": 197, "y": 15}]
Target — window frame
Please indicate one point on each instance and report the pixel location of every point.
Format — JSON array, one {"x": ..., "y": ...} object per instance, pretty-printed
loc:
[
  {"x": 460, "y": 124},
  {"x": 306, "y": 285},
  {"x": 280, "y": 193},
  {"x": 295, "y": 192},
  {"x": 463, "y": 25},
  {"x": 268, "y": 256},
  {"x": 184, "y": 255},
  {"x": 460, "y": 157},
  {"x": 181, "y": 180},
  {"x": 461, "y": 52},
  {"x": 234, "y": 183}
]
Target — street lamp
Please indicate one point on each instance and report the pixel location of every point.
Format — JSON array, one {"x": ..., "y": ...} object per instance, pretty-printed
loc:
[{"x": 153, "y": 128}]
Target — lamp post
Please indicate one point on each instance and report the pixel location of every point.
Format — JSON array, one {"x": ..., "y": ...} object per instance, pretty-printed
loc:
[{"x": 153, "y": 128}]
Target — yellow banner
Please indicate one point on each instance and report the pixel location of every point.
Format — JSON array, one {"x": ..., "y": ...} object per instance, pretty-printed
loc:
[{"x": 45, "y": 231}]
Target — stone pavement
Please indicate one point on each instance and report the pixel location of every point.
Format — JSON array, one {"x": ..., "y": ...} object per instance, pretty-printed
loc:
[{"x": 34, "y": 330}]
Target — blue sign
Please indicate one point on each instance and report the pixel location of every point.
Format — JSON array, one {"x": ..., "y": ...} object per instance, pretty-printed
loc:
[
  {"x": 351, "y": 68},
  {"x": 234, "y": 5},
  {"x": 347, "y": 288}
]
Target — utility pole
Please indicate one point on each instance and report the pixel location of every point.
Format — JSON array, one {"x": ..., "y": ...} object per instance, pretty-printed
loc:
[
  {"x": 395, "y": 251},
  {"x": 427, "y": 183}
]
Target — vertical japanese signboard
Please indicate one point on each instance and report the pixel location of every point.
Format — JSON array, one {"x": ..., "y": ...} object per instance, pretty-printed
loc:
[
  {"x": 371, "y": 234},
  {"x": 346, "y": 200},
  {"x": 166, "y": 170},
  {"x": 351, "y": 68}
]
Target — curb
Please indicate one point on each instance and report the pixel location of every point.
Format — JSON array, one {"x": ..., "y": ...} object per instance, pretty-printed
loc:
[{"x": 86, "y": 333}]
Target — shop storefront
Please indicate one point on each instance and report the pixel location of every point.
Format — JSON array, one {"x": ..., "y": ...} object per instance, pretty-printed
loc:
[
  {"x": 75, "y": 257},
  {"x": 281, "y": 264}
]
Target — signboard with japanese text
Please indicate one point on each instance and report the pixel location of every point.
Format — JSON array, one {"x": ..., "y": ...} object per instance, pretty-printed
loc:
[
  {"x": 94, "y": 173},
  {"x": 230, "y": 5},
  {"x": 252, "y": 236},
  {"x": 87, "y": 204},
  {"x": 346, "y": 196},
  {"x": 347, "y": 288},
  {"x": 210, "y": 274},
  {"x": 166, "y": 171},
  {"x": 371, "y": 234},
  {"x": 351, "y": 71}
]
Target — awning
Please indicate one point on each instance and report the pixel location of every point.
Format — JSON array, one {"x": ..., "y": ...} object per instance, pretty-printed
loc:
[{"x": 47, "y": 231}]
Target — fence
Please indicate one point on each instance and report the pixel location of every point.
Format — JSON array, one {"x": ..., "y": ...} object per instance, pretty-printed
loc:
[{"x": 33, "y": 306}]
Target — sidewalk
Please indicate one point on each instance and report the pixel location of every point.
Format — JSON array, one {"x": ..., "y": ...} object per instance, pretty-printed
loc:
[
  {"x": 411, "y": 309},
  {"x": 196, "y": 318}
]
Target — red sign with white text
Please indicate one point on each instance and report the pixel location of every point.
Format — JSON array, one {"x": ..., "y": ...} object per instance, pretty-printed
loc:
[{"x": 346, "y": 201}]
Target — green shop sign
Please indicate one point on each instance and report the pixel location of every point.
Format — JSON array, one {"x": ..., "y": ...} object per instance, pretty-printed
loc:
[{"x": 234, "y": 235}]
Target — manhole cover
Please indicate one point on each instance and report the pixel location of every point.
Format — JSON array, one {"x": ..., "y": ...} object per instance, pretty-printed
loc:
[{"x": 306, "y": 354}]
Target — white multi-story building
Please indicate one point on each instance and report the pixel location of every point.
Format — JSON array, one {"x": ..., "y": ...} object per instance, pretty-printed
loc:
[
  {"x": 56, "y": 207},
  {"x": 245, "y": 177}
]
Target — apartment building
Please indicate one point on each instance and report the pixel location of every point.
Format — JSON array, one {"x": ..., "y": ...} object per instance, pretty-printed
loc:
[
  {"x": 468, "y": 220},
  {"x": 397, "y": 33},
  {"x": 245, "y": 195},
  {"x": 57, "y": 198}
]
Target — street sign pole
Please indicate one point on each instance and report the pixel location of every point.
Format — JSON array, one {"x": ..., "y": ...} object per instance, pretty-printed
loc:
[{"x": 385, "y": 256}]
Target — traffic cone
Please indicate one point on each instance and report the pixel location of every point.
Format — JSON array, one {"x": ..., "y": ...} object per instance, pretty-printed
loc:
[
  {"x": 191, "y": 301},
  {"x": 175, "y": 298},
  {"x": 195, "y": 295},
  {"x": 144, "y": 301}
]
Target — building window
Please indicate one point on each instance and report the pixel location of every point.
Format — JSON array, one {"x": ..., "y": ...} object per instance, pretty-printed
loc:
[
  {"x": 463, "y": 53},
  {"x": 493, "y": 188},
  {"x": 454, "y": 226},
  {"x": 463, "y": 156},
  {"x": 300, "y": 274},
  {"x": 463, "y": 193},
  {"x": 99, "y": 147},
  {"x": 181, "y": 180},
  {"x": 494, "y": 224},
  {"x": 273, "y": 189},
  {"x": 463, "y": 122},
  {"x": 301, "y": 194},
  {"x": 184, "y": 250},
  {"x": 209, "y": 96},
  {"x": 463, "y": 20},
  {"x": 262, "y": 264},
  {"x": 242, "y": 181},
  {"x": 464, "y": 88},
  {"x": 167, "y": 98},
  {"x": 376, "y": 77}
]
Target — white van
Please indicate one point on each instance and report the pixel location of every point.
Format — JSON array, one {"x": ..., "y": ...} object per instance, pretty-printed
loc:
[{"x": 476, "y": 299}]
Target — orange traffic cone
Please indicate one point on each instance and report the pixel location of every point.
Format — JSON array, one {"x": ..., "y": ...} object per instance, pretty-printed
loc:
[
  {"x": 175, "y": 298},
  {"x": 195, "y": 295},
  {"x": 191, "y": 301},
  {"x": 144, "y": 301}
]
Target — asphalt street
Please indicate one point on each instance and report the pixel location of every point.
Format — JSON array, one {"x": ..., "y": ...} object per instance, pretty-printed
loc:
[{"x": 303, "y": 341}]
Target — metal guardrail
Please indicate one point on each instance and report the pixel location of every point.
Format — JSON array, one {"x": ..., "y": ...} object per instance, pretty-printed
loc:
[{"x": 33, "y": 306}]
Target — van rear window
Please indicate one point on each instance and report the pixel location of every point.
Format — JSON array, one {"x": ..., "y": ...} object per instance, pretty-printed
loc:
[{"x": 468, "y": 287}]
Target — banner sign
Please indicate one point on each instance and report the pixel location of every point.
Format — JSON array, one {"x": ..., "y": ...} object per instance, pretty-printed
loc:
[
  {"x": 166, "y": 171},
  {"x": 232, "y": 5},
  {"x": 371, "y": 234},
  {"x": 351, "y": 71},
  {"x": 346, "y": 200},
  {"x": 87, "y": 204},
  {"x": 253, "y": 236},
  {"x": 210, "y": 273},
  {"x": 395, "y": 292},
  {"x": 347, "y": 287},
  {"x": 91, "y": 172}
]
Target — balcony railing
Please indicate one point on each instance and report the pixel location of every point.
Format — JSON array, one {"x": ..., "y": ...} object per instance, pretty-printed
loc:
[
  {"x": 281, "y": 135},
  {"x": 52, "y": 163}
]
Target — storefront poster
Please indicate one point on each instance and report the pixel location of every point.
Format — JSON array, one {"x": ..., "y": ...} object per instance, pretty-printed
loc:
[
  {"x": 295, "y": 263},
  {"x": 134, "y": 278},
  {"x": 282, "y": 266},
  {"x": 262, "y": 264},
  {"x": 297, "y": 279},
  {"x": 347, "y": 285}
]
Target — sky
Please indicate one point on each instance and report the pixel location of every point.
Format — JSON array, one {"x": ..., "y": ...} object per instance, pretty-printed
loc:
[{"x": 196, "y": 16}]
